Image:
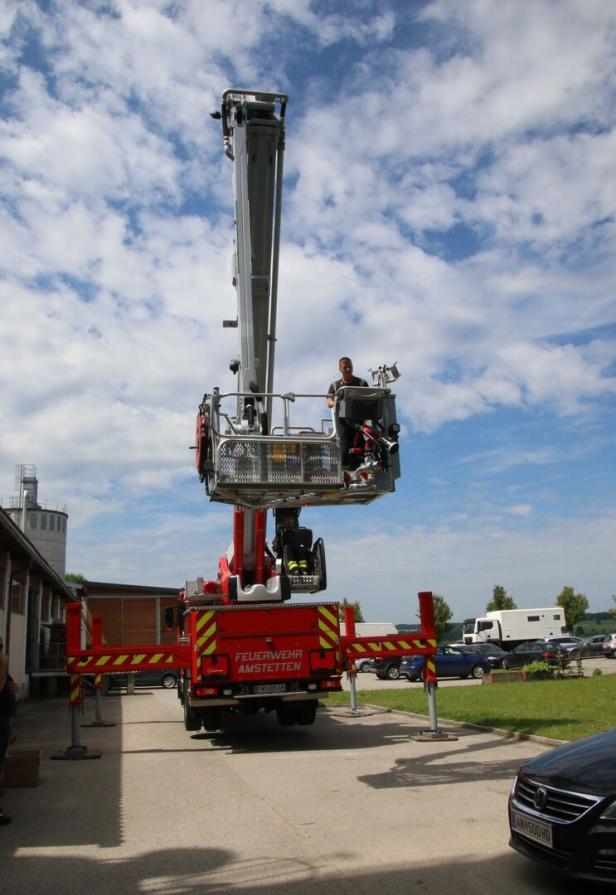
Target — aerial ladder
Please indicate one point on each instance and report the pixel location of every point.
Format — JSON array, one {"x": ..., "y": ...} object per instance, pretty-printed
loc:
[
  {"x": 241, "y": 646},
  {"x": 249, "y": 453}
]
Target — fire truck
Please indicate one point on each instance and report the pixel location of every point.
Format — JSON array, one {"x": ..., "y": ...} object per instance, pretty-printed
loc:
[
  {"x": 259, "y": 450},
  {"x": 247, "y": 640}
]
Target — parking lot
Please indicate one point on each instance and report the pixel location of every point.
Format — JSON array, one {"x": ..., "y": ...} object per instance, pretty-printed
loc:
[
  {"x": 351, "y": 805},
  {"x": 368, "y": 680}
]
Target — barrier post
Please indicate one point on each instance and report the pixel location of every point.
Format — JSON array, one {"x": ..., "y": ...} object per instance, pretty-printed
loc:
[
  {"x": 75, "y": 751},
  {"x": 97, "y": 640},
  {"x": 98, "y": 705},
  {"x": 428, "y": 627},
  {"x": 349, "y": 622}
]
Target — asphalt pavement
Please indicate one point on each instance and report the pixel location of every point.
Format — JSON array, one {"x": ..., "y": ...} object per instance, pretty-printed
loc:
[{"x": 350, "y": 805}]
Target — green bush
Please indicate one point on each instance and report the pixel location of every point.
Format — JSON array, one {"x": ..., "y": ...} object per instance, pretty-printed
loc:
[
  {"x": 596, "y": 672},
  {"x": 539, "y": 668}
]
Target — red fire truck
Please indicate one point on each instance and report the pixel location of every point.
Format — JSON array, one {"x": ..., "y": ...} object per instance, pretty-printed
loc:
[{"x": 241, "y": 645}]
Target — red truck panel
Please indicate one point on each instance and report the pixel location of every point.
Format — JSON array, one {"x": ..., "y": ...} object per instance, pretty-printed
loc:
[{"x": 264, "y": 642}]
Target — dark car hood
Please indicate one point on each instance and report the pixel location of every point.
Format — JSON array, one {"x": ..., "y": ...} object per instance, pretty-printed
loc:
[{"x": 588, "y": 765}]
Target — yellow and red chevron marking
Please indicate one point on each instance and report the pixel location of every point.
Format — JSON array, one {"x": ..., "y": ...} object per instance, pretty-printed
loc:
[
  {"x": 392, "y": 645},
  {"x": 124, "y": 662},
  {"x": 430, "y": 669},
  {"x": 206, "y": 633},
  {"x": 329, "y": 627},
  {"x": 75, "y": 690}
]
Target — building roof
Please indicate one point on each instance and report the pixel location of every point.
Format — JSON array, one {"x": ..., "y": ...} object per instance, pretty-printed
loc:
[{"x": 111, "y": 588}]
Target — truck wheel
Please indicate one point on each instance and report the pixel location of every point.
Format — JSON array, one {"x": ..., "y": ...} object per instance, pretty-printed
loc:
[
  {"x": 211, "y": 719},
  {"x": 306, "y": 713},
  {"x": 286, "y": 715},
  {"x": 192, "y": 718}
]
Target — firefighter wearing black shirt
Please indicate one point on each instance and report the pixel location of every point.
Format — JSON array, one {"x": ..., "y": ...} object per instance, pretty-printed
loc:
[{"x": 347, "y": 434}]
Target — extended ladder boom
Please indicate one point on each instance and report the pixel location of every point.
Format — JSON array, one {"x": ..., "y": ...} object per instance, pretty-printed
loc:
[{"x": 254, "y": 141}]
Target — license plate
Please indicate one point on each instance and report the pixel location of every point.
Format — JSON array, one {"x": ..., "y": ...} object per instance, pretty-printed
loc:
[
  {"x": 532, "y": 829},
  {"x": 268, "y": 689}
]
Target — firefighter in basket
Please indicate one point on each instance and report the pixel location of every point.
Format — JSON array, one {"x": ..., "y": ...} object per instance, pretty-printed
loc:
[{"x": 288, "y": 546}]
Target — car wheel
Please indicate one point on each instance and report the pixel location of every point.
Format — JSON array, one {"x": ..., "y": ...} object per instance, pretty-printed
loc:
[
  {"x": 168, "y": 681},
  {"x": 477, "y": 671},
  {"x": 393, "y": 673}
]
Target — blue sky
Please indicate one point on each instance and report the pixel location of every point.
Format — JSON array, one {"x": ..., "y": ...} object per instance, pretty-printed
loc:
[{"x": 449, "y": 204}]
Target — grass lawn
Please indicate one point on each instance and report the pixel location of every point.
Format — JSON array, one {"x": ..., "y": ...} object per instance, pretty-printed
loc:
[{"x": 564, "y": 709}]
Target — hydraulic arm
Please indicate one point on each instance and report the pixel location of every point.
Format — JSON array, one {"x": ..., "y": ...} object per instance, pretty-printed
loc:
[{"x": 250, "y": 454}]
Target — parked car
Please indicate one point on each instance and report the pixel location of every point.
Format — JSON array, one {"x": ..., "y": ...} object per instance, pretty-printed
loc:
[
  {"x": 535, "y": 651},
  {"x": 562, "y": 808},
  {"x": 387, "y": 668},
  {"x": 161, "y": 677},
  {"x": 571, "y": 646},
  {"x": 364, "y": 664},
  {"x": 593, "y": 646},
  {"x": 449, "y": 663},
  {"x": 491, "y": 651},
  {"x": 609, "y": 648}
]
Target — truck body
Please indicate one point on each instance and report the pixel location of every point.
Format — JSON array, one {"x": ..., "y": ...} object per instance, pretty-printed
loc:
[
  {"x": 259, "y": 656},
  {"x": 510, "y": 627}
]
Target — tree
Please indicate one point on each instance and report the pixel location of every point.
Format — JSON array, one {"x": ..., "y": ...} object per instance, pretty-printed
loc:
[
  {"x": 442, "y": 615},
  {"x": 575, "y": 606},
  {"x": 613, "y": 609},
  {"x": 75, "y": 578},
  {"x": 359, "y": 615},
  {"x": 500, "y": 599}
]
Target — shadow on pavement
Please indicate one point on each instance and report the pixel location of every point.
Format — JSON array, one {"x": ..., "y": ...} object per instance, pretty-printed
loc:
[{"x": 205, "y": 871}]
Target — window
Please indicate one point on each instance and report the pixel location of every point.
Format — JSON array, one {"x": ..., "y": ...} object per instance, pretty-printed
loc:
[
  {"x": 45, "y": 603},
  {"x": 533, "y": 618},
  {"x": 485, "y": 626},
  {"x": 33, "y": 518},
  {"x": 17, "y": 597},
  {"x": 557, "y": 617},
  {"x": 44, "y": 521},
  {"x": 52, "y": 523}
]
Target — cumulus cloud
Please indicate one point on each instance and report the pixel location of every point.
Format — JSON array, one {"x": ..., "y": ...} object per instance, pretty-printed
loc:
[{"x": 449, "y": 205}]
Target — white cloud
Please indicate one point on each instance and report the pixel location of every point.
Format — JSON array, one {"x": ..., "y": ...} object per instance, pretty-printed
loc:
[{"x": 117, "y": 235}]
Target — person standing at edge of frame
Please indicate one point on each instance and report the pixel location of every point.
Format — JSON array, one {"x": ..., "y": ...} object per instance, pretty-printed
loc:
[{"x": 8, "y": 689}]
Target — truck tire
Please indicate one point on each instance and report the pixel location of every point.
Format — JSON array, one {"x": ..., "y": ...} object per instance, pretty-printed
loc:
[
  {"x": 302, "y": 713},
  {"x": 192, "y": 718},
  {"x": 306, "y": 713},
  {"x": 211, "y": 719},
  {"x": 286, "y": 716}
]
